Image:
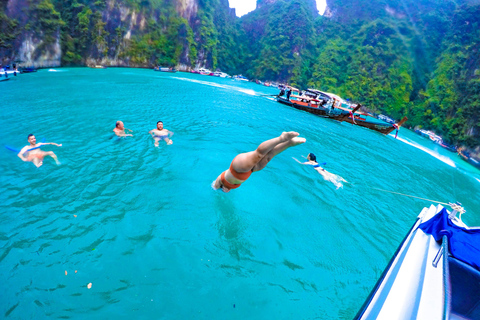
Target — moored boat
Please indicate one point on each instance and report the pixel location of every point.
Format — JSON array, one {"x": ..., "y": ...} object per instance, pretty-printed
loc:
[
  {"x": 434, "y": 274},
  {"x": 430, "y": 135},
  {"x": 436, "y": 139},
  {"x": 28, "y": 70},
  {"x": 202, "y": 71},
  {"x": 221, "y": 74},
  {"x": 165, "y": 69},
  {"x": 465, "y": 155},
  {"x": 331, "y": 106},
  {"x": 382, "y": 127},
  {"x": 5, "y": 73},
  {"x": 385, "y": 118},
  {"x": 240, "y": 78}
]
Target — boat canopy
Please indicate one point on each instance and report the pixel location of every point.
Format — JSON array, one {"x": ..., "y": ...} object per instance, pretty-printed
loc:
[
  {"x": 464, "y": 244},
  {"x": 430, "y": 278}
]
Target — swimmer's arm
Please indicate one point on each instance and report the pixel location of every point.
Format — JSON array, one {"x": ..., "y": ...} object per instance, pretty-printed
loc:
[
  {"x": 306, "y": 163},
  {"x": 170, "y": 134},
  {"x": 20, "y": 154},
  {"x": 51, "y": 143},
  {"x": 301, "y": 162},
  {"x": 123, "y": 134},
  {"x": 129, "y": 130}
]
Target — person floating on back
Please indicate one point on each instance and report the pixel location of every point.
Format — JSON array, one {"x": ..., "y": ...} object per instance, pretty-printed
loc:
[
  {"x": 245, "y": 163},
  {"x": 161, "y": 134},
  {"x": 120, "y": 130},
  {"x": 32, "y": 152},
  {"x": 328, "y": 176}
]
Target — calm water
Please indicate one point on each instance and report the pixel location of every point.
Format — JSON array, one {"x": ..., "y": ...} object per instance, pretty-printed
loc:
[{"x": 157, "y": 242}]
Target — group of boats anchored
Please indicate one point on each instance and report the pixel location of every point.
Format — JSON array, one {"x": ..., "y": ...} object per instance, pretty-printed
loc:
[
  {"x": 462, "y": 152},
  {"x": 206, "y": 72}
]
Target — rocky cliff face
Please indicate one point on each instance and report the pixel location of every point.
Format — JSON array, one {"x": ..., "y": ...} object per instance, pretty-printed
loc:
[
  {"x": 187, "y": 9},
  {"x": 30, "y": 48},
  {"x": 111, "y": 29},
  {"x": 33, "y": 53}
]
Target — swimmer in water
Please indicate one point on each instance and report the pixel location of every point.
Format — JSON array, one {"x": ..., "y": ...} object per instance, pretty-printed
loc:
[
  {"x": 120, "y": 130},
  {"x": 245, "y": 163},
  {"x": 32, "y": 152},
  {"x": 161, "y": 134},
  {"x": 328, "y": 176}
]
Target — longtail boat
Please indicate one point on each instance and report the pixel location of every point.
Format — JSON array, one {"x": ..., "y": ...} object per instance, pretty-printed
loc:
[
  {"x": 326, "y": 109},
  {"x": 360, "y": 119}
]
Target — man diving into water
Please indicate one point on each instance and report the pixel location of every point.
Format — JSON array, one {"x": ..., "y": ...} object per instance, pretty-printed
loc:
[
  {"x": 161, "y": 134},
  {"x": 32, "y": 152},
  {"x": 245, "y": 163}
]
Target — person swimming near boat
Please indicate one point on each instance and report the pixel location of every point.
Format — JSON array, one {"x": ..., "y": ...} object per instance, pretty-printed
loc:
[
  {"x": 120, "y": 130},
  {"x": 161, "y": 134},
  {"x": 244, "y": 164},
  {"x": 328, "y": 176},
  {"x": 32, "y": 152}
]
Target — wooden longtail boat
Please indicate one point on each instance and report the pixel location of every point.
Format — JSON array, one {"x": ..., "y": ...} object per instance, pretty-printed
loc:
[
  {"x": 316, "y": 107},
  {"x": 360, "y": 119}
]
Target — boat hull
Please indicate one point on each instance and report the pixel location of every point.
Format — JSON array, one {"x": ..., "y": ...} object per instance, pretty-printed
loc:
[
  {"x": 425, "y": 280},
  {"x": 340, "y": 115},
  {"x": 384, "y": 129}
]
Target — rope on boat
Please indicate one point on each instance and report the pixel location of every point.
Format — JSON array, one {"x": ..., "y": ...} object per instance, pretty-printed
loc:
[
  {"x": 455, "y": 206},
  {"x": 406, "y": 195}
]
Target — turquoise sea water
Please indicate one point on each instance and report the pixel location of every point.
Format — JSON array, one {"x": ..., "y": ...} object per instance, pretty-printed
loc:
[{"x": 152, "y": 237}]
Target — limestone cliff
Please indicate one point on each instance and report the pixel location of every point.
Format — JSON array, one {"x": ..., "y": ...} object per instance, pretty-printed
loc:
[{"x": 113, "y": 32}]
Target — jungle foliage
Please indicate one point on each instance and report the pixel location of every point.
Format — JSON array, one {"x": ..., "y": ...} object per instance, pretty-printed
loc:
[{"x": 415, "y": 58}]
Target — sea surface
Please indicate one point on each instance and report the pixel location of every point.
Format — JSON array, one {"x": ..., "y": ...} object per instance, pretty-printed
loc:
[{"x": 143, "y": 226}]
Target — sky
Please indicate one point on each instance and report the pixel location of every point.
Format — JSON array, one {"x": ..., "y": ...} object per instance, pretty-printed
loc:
[{"x": 245, "y": 6}]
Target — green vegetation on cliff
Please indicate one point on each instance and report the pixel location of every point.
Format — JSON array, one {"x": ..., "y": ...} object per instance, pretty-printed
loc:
[{"x": 415, "y": 58}]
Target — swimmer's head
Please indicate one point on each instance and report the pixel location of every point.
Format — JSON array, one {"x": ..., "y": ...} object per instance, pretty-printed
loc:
[
  {"x": 311, "y": 157},
  {"x": 159, "y": 125},
  {"x": 31, "y": 138},
  {"x": 119, "y": 125}
]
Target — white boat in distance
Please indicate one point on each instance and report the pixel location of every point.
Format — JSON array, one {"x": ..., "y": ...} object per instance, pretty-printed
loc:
[
  {"x": 6, "y": 74},
  {"x": 433, "y": 275},
  {"x": 221, "y": 74},
  {"x": 203, "y": 71},
  {"x": 240, "y": 78}
]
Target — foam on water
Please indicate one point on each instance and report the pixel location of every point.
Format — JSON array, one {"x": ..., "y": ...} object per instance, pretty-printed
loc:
[
  {"x": 444, "y": 159},
  {"x": 217, "y": 85}
]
